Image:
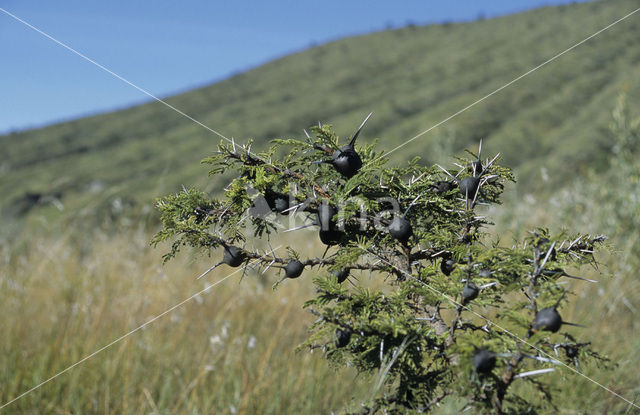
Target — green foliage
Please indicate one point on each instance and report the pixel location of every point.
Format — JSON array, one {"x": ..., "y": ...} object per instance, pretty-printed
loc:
[
  {"x": 410, "y": 326},
  {"x": 189, "y": 214}
]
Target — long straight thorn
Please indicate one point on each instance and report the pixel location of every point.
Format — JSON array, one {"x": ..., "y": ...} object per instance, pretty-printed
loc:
[
  {"x": 491, "y": 284},
  {"x": 578, "y": 278},
  {"x": 353, "y": 139},
  {"x": 209, "y": 270},
  {"x": 269, "y": 266},
  {"x": 486, "y": 168},
  {"x": 544, "y": 261},
  {"x": 534, "y": 372},
  {"x": 299, "y": 227},
  {"x": 448, "y": 174},
  {"x": 293, "y": 207}
]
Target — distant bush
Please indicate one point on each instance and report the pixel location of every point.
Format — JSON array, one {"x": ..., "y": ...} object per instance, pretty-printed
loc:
[{"x": 611, "y": 199}]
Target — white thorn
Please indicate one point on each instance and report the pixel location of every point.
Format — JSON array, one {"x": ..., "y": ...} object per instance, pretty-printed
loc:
[
  {"x": 448, "y": 174},
  {"x": 534, "y": 372}
]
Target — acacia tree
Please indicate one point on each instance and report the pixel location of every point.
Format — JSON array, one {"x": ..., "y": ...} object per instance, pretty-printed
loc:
[{"x": 451, "y": 310}]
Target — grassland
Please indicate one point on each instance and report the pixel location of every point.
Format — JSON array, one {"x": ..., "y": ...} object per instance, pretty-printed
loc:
[
  {"x": 230, "y": 350},
  {"x": 411, "y": 78}
]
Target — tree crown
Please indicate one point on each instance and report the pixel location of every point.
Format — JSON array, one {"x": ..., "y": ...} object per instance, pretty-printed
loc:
[{"x": 451, "y": 310}]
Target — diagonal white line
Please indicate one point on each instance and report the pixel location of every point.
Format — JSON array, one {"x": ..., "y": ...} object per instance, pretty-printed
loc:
[
  {"x": 109, "y": 71},
  {"x": 124, "y": 336},
  {"x": 513, "y": 81},
  {"x": 457, "y": 304}
]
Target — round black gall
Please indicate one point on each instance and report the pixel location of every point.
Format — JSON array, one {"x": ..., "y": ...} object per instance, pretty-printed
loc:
[
  {"x": 293, "y": 269},
  {"x": 342, "y": 337},
  {"x": 401, "y": 229},
  {"x": 469, "y": 186},
  {"x": 346, "y": 161},
  {"x": 547, "y": 319},
  {"x": 484, "y": 361},
  {"x": 447, "y": 266},
  {"x": 330, "y": 237},
  {"x": 233, "y": 256},
  {"x": 341, "y": 275},
  {"x": 469, "y": 292}
]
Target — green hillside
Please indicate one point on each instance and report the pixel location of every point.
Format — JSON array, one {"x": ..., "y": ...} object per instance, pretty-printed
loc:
[{"x": 411, "y": 78}]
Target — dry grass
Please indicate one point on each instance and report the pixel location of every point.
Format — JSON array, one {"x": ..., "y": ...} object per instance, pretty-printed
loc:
[{"x": 231, "y": 350}]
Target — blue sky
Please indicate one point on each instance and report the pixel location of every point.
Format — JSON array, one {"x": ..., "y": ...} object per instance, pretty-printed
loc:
[{"x": 169, "y": 46}]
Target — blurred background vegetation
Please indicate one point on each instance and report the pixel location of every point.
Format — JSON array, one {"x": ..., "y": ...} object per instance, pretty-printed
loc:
[{"x": 76, "y": 271}]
